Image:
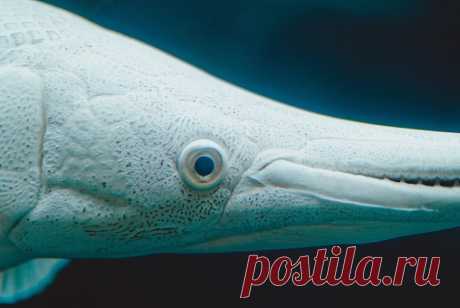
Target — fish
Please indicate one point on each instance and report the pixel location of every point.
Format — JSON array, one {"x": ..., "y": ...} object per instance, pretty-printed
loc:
[{"x": 111, "y": 148}]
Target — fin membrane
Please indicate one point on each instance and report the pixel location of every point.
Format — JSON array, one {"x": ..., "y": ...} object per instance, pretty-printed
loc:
[{"x": 28, "y": 278}]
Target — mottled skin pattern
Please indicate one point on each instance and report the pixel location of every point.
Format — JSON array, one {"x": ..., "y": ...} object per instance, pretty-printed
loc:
[{"x": 91, "y": 124}]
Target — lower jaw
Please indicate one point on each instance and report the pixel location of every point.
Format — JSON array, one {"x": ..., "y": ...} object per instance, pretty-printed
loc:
[{"x": 304, "y": 236}]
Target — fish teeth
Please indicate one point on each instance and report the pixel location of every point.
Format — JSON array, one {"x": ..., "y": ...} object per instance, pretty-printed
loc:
[
  {"x": 434, "y": 181},
  {"x": 394, "y": 179},
  {"x": 428, "y": 182},
  {"x": 411, "y": 181},
  {"x": 447, "y": 183}
]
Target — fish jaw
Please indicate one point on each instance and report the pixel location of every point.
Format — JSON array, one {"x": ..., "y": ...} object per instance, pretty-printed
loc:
[{"x": 344, "y": 190}]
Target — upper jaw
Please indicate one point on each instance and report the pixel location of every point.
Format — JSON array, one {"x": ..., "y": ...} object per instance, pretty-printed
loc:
[
  {"x": 355, "y": 189},
  {"x": 418, "y": 161},
  {"x": 399, "y": 175},
  {"x": 338, "y": 181},
  {"x": 351, "y": 180},
  {"x": 287, "y": 200},
  {"x": 378, "y": 184}
]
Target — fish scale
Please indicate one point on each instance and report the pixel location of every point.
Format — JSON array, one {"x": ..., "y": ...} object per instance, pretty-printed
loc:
[
  {"x": 22, "y": 126},
  {"x": 21, "y": 137},
  {"x": 105, "y": 172}
]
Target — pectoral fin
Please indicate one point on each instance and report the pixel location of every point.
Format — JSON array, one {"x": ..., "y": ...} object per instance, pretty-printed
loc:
[{"x": 28, "y": 278}]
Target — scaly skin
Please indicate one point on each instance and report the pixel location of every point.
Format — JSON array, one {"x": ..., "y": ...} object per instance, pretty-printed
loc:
[{"x": 107, "y": 117}]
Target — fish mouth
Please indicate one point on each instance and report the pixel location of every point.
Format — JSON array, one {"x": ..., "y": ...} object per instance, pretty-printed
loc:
[
  {"x": 428, "y": 164},
  {"x": 305, "y": 206},
  {"x": 431, "y": 182},
  {"x": 395, "y": 174},
  {"x": 336, "y": 191},
  {"x": 401, "y": 191}
]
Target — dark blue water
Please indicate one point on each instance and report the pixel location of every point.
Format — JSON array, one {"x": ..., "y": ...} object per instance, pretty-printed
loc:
[{"x": 385, "y": 62}]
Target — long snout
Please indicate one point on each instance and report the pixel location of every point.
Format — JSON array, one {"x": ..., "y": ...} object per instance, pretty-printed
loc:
[{"x": 365, "y": 183}]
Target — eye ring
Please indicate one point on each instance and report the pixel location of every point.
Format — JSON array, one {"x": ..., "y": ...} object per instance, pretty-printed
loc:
[{"x": 202, "y": 164}]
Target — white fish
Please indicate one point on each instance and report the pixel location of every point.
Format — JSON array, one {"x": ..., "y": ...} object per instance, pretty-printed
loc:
[{"x": 111, "y": 148}]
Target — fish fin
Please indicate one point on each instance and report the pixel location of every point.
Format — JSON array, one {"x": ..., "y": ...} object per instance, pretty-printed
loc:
[{"x": 28, "y": 278}]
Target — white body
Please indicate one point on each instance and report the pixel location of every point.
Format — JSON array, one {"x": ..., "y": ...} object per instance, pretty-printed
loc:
[{"x": 91, "y": 124}]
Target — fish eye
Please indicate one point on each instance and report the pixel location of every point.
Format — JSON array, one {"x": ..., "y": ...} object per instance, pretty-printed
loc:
[{"x": 202, "y": 164}]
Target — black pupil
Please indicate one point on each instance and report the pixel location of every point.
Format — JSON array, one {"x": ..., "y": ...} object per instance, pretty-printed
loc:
[{"x": 204, "y": 165}]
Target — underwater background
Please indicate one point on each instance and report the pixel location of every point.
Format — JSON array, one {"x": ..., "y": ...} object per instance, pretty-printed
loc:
[{"x": 385, "y": 62}]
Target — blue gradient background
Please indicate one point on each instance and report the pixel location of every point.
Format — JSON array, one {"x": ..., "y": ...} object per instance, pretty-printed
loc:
[{"x": 386, "y": 62}]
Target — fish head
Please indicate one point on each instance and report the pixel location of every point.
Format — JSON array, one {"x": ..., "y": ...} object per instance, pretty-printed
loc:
[
  {"x": 138, "y": 174},
  {"x": 153, "y": 155}
]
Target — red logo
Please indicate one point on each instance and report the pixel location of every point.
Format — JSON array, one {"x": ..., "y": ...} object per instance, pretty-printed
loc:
[{"x": 324, "y": 270}]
